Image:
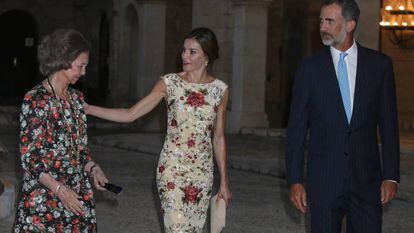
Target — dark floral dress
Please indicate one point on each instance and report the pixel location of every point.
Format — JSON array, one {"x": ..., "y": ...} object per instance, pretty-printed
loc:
[
  {"x": 45, "y": 147},
  {"x": 185, "y": 168}
]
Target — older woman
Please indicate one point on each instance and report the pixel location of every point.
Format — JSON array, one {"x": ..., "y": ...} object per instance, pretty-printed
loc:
[
  {"x": 56, "y": 193},
  {"x": 196, "y": 105}
]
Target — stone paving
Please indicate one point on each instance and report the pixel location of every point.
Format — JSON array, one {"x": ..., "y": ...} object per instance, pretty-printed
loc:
[{"x": 256, "y": 174}]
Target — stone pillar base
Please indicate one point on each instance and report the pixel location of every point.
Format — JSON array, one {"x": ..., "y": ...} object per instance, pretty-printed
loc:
[
  {"x": 238, "y": 120},
  {"x": 7, "y": 199}
]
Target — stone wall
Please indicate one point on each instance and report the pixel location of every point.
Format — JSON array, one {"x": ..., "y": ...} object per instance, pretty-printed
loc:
[
  {"x": 403, "y": 60},
  {"x": 218, "y": 16},
  {"x": 179, "y": 23},
  {"x": 82, "y": 15},
  {"x": 136, "y": 27},
  {"x": 275, "y": 85}
]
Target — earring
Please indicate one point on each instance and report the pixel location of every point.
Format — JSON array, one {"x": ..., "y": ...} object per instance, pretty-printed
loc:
[{"x": 206, "y": 63}]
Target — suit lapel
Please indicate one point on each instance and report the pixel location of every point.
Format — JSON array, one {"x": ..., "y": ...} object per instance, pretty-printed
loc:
[{"x": 360, "y": 82}]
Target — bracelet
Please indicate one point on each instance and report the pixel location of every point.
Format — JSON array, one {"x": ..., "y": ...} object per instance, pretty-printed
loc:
[
  {"x": 92, "y": 167},
  {"x": 57, "y": 188}
]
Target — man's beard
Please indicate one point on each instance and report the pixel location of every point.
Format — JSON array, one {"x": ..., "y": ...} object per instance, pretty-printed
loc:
[{"x": 330, "y": 40}]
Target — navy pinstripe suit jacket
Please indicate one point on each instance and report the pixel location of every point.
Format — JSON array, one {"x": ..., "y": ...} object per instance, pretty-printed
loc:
[{"x": 342, "y": 157}]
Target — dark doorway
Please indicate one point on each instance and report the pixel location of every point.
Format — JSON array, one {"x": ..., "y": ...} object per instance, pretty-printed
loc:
[
  {"x": 18, "y": 60},
  {"x": 103, "y": 60}
]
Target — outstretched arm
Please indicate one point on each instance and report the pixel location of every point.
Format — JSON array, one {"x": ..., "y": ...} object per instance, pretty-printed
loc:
[
  {"x": 139, "y": 109},
  {"x": 219, "y": 147}
]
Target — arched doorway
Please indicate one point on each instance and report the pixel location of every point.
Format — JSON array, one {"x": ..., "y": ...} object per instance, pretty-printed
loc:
[
  {"x": 129, "y": 57},
  {"x": 103, "y": 69},
  {"x": 18, "y": 55}
]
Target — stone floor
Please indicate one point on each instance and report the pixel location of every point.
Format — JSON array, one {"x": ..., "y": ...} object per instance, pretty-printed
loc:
[{"x": 260, "y": 203}]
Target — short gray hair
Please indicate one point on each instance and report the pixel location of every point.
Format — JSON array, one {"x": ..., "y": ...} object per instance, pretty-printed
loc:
[{"x": 350, "y": 9}]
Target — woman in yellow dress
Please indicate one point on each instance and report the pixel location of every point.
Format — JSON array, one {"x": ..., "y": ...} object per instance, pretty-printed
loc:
[{"x": 196, "y": 105}]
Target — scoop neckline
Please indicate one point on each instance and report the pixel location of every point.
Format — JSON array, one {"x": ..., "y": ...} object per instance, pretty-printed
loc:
[
  {"x": 51, "y": 93},
  {"x": 185, "y": 81}
]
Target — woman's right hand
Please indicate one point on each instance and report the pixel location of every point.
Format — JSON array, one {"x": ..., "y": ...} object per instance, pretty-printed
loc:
[{"x": 70, "y": 200}]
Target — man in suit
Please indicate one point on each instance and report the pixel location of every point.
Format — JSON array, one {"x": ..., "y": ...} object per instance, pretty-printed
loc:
[{"x": 341, "y": 96}]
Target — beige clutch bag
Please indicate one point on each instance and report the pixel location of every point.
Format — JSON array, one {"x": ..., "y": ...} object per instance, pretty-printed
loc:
[{"x": 218, "y": 214}]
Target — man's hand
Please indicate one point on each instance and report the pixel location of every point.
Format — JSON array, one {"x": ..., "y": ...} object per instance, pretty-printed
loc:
[
  {"x": 298, "y": 197},
  {"x": 388, "y": 191}
]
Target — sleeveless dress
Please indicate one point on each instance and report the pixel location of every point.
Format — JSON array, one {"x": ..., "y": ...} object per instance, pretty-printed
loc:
[{"x": 185, "y": 168}]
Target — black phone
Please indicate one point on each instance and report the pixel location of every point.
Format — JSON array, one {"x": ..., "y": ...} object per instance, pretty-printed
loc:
[{"x": 113, "y": 188}]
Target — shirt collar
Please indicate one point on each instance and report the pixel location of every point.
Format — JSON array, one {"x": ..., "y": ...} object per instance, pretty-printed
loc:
[{"x": 352, "y": 51}]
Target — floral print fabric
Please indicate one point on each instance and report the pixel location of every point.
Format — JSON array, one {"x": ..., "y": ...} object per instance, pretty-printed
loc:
[
  {"x": 185, "y": 168},
  {"x": 45, "y": 148}
]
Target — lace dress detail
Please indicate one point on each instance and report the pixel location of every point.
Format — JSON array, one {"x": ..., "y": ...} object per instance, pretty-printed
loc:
[{"x": 185, "y": 168}]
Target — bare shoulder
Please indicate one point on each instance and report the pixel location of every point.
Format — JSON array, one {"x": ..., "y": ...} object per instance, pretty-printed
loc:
[{"x": 160, "y": 85}]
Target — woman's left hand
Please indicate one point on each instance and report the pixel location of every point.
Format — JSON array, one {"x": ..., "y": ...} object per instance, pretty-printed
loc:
[
  {"x": 99, "y": 178},
  {"x": 86, "y": 107},
  {"x": 224, "y": 193}
]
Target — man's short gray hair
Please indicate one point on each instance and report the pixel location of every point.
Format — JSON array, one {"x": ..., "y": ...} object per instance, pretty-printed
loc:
[{"x": 350, "y": 9}]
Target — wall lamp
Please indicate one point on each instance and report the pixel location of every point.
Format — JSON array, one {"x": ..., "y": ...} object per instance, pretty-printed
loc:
[{"x": 397, "y": 17}]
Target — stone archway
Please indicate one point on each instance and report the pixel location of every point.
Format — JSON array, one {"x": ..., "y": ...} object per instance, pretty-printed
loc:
[
  {"x": 129, "y": 53},
  {"x": 18, "y": 56}
]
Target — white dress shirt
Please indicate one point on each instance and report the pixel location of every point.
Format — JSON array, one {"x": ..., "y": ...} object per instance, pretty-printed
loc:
[{"x": 351, "y": 66}]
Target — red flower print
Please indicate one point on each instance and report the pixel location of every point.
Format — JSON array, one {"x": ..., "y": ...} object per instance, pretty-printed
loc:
[
  {"x": 45, "y": 161},
  {"x": 161, "y": 168},
  {"x": 86, "y": 197},
  {"x": 23, "y": 139},
  {"x": 196, "y": 99},
  {"x": 190, "y": 143},
  {"x": 75, "y": 221},
  {"x": 49, "y": 217},
  {"x": 215, "y": 108},
  {"x": 191, "y": 194},
  {"x": 55, "y": 115},
  {"x": 50, "y": 154},
  {"x": 60, "y": 227},
  {"x": 42, "y": 103},
  {"x": 173, "y": 123},
  {"x": 36, "y": 219},
  {"x": 53, "y": 204},
  {"x": 57, "y": 164},
  {"x": 35, "y": 121},
  {"x": 170, "y": 185},
  {"x": 24, "y": 149}
]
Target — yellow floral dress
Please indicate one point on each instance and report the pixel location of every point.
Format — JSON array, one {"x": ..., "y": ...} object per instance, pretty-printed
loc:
[{"x": 185, "y": 168}]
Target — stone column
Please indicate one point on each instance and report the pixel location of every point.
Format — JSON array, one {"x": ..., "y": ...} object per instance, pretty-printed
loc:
[
  {"x": 249, "y": 65},
  {"x": 151, "y": 45},
  {"x": 367, "y": 32}
]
